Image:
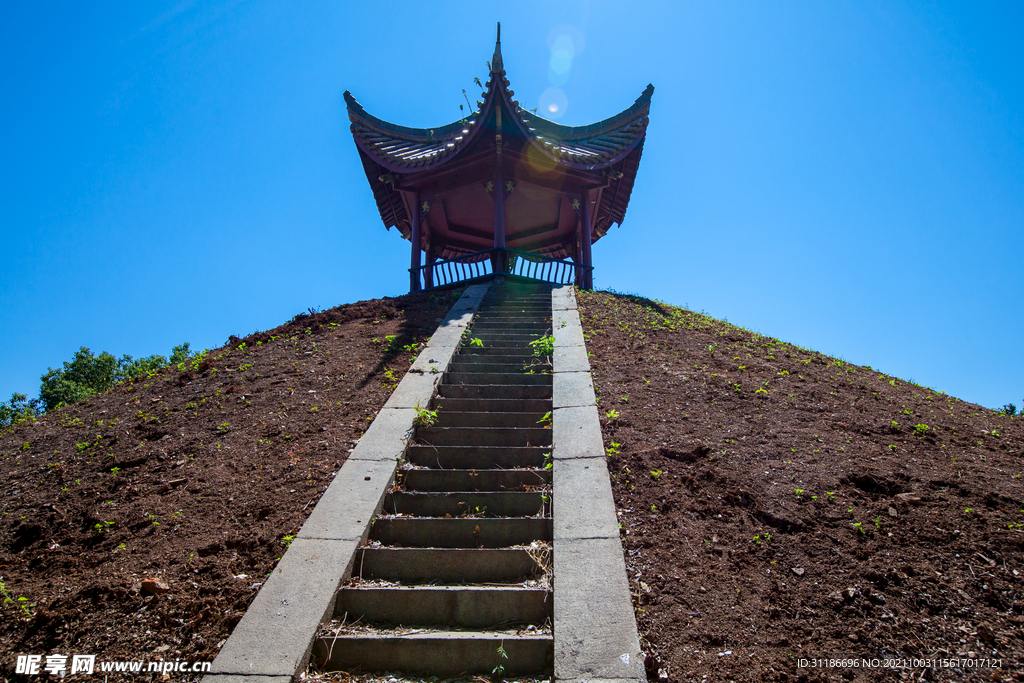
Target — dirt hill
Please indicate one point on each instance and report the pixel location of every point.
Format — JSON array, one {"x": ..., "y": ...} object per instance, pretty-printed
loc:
[
  {"x": 776, "y": 504},
  {"x": 197, "y": 476}
]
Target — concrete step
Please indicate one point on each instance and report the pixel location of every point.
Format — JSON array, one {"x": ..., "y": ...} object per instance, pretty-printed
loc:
[
  {"x": 430, "y": 532},
  {"x": 529, "y": 297},
  {"x": 440, "y": 653},
  {"x": 489, "y": 391},
  {"x": 499, "y": 405},
  {"x": 537, "y": 329},
  {"x": 508, "y": 352},
  {"x": 477, "y": 607},
  {"x": 520, "y": 366},
  {"x": 446, "y": 566},
  {"x": 510, "y": 347},
  {"x": 477, "y": 457},
  {"x": 474, "y": 480},
  {"x": 519, "y": 378},
  {"x": 492, "y": 337},
  {"x": 490, "y": 364},
  {"x": 484, "y": 436},
  {"x": 467, "y": 503},
  {"x": 452, "y": 418},
  {"x": 517, "y": 359}
]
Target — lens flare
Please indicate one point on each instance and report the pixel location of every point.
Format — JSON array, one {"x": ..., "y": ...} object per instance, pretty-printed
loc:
[
  {"x": 569, "y": 33},
  {"x": 540, "y": 162},
  {"x": 553, "y": 103}
]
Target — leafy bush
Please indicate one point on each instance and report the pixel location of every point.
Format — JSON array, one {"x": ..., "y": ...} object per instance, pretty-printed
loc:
[
  {"x": 18, "y": 409},
  {"x": 88, "y": 374}
]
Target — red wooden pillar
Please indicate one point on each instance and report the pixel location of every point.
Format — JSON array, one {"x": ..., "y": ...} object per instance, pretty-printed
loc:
[
  {"x": 414, "y": 272},
  {"x": 499, "y": 261},
  {"x": 585, "y": 239},
  {"x": 576, "y": 254}
]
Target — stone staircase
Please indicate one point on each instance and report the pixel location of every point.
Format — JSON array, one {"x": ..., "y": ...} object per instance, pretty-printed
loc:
[{"x": 455, "y": 577}]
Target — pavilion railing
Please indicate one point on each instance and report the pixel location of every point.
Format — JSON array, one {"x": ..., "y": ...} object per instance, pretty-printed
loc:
[{"x": 481, "y": 264}]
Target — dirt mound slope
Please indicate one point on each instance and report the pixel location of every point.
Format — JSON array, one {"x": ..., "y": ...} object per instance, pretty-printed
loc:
[
  {"x": 777, "y": 505},
  {"x": 197, "y": 476}
]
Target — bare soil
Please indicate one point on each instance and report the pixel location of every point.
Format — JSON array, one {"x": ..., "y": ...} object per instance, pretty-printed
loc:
[
  {"x": 197, "y": 476},
  {"x": 778, "y": 505}
]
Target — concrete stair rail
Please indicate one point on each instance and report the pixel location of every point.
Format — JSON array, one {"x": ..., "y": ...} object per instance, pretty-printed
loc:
[{"x": 595, "y": 628}]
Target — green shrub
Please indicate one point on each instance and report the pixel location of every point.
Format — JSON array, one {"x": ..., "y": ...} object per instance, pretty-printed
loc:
[
  {"x": 18, "y": 409},
  {"x": 87, "y": 374}
]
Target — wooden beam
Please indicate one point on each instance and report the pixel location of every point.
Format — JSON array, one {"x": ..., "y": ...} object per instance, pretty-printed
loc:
[
  {"x": 414, "y": 274},
  {"x": 585, "y": 242},
  {"x": 456, "y": 243},
  {"x": 470, "y": 232},
  {"x": 499, "y": 200},
  {"x": 545, "y": 243}
]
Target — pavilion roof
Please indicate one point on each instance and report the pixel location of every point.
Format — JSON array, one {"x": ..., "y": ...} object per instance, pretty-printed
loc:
[
  {"x": 402, "y": 149},
  {"x": 607, "y": 153}
]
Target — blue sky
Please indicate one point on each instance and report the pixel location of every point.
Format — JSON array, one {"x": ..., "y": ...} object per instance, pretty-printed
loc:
[{"x": 846, "y": 176}]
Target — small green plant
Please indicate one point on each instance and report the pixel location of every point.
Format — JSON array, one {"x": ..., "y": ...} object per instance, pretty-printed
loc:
[
  {"x": 612, "y": 415},
  {"x": 546, "y": 420},
  {"x": 499, "y": 670},
  {"x": 878, "y": 522},
  {"x": 424, "y": 417},
  {"x": 222, "y": 428},
  {"x": 656, "y": 474},
  {"x": 114, "y": 471},
  {"x": 100, "y": 527},
  {"x": 476, "y": 341},
  {"x": 831, "y": 495},
  {"x": 799, "y": 492},
  {"x": 547, "y": 461},
  {"x": 921, "y": 429},
  {"x": 21, "y": 603},
  {"x": 859, "y": 526},
  {"x": 543, "y": 346},
  {"x": 287, "y": 540},
  {"x": 613, "y": 450}
]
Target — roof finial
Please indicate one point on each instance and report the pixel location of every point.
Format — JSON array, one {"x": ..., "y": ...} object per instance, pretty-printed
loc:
[{"x": 496, "y": 63}]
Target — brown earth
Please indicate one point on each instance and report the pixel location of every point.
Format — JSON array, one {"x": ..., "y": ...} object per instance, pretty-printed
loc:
[
  {"x": 776, "y": 504},
  {"x": 196, "y": 476}
]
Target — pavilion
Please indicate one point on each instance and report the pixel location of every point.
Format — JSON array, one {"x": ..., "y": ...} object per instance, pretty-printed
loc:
[{"x": 501, "y": 191}]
